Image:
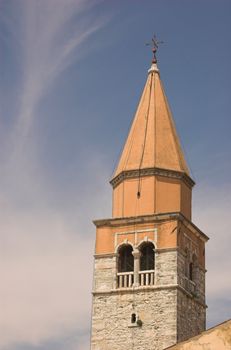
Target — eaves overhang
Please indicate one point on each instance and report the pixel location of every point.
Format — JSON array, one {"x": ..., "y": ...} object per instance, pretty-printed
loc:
[{"x": 134, "y": 174}]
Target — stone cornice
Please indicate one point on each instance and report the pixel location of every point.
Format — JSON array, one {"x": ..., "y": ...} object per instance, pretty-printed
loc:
[
  {"x": 131, "y": 220},
  {"x": 154, "y": 218},
  {"x": 166, "y": 250},
  {"x": 145, "y": 289},
  {"x": 132, "y": 174},
  {"x": 136, "y": 289},
  {"x": 106, "y": 255},
  {"x": 113, "y": 255}
]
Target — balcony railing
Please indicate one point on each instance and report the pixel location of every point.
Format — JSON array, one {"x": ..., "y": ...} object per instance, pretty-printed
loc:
[
  {"x": 147, "y": 278},
  {"x": 125, "y": 279}
]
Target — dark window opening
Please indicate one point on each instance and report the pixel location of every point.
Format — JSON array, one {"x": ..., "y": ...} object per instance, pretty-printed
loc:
[
  {"x": 133, "y": 318},
  {"x": 126, "y": 259},
  {"x": 191, "y": 271},
  {"x": 147, "y": 258},
  {"x": 186, "y": 263}
]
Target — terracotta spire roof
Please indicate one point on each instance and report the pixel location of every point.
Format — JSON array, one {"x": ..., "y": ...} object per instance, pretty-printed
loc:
[{"x": 152, "y": 141}]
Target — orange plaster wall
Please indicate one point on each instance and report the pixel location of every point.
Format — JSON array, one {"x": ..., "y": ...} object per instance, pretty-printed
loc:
[
  {"x": 125, "y": 201},
  {"x": 117, "y": 201},
  {"x": 105, "y": 236},
  {"x": 141, "y": 235},
  {"x": 186, "y": 201},
  {"x": 130, "y": 237},
  {"x": 104, "y": 240},
  {"x": 158, "y": 195},
  {"x": 167, "y": 195},
  {"x": 167, "y": 235}
]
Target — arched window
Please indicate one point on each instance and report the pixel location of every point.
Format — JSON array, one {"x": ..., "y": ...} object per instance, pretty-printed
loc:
[
  {"x": 126, "y": 259},
  {"x": 147, "y": 258}
]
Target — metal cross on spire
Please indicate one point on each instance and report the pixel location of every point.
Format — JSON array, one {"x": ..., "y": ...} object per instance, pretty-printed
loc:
[{"x": 155, "y": 44}]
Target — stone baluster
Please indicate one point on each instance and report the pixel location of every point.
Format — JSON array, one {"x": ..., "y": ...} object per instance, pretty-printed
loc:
[{"x": 136, "y": 254}]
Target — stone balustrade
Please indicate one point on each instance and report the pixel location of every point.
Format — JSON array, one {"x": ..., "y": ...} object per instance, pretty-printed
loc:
[
  {"x": 125, "y": 279},
  {"x": 146, "y": 278}
]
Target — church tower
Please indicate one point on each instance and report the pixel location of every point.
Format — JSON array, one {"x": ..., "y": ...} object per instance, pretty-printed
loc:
[{"x": 149, "y": 272}]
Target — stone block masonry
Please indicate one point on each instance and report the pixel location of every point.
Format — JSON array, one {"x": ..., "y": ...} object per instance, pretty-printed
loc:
[
  {"x": 168, "y": 310},
  {"x": 191, "y": 316},
  {"x": 111, "y": 320}
]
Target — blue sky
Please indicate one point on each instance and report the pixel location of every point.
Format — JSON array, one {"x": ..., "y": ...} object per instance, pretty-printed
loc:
[{"x": 71, "y": 74}]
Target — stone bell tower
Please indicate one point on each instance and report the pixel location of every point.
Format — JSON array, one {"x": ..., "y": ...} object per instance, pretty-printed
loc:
[{"x": 149, "y": 273}]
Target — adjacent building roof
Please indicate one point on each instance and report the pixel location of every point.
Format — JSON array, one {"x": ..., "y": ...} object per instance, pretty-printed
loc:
[{"x": 216, "y": 338}]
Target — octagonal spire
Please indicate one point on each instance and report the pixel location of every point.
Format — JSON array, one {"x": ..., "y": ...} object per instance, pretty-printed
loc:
[{"x": 152, "y": 141}]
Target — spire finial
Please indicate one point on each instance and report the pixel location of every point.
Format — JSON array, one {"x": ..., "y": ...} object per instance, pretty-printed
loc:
[{"x": 155, "y": 44}]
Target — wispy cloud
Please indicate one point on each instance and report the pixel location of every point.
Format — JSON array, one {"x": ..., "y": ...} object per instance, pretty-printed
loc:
[
  {"x": 45, "y": 291},
  {"x": 50, "y": 35}
]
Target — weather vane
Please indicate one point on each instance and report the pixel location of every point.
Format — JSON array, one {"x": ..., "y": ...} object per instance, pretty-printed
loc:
[{"x": 155, "y": 44}]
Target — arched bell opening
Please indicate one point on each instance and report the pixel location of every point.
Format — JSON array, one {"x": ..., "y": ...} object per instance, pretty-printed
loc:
[
  {"x": 147, "y": 264},
  {"x": 125, "y": 258},
  {"x": 147, "y": 257},
  {"x": 125, "y": 266}
]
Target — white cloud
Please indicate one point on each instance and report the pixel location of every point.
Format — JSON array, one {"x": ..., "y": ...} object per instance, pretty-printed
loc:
[
  {"x": 212, "y": 207},
  {"x": 46, "y": 271},
  {"x": 46, "y": 254},
  {"x": 46, "y": 275}
]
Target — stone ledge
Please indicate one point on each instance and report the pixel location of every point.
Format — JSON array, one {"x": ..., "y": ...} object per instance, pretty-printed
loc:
[
  {"x": 149, "y": 289},
  {"x": 137, "y": 289},
  {"x": 113, "y": 255},
  {"x": 106, "y": 255},
  {"x": 166, "y": 250}
]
